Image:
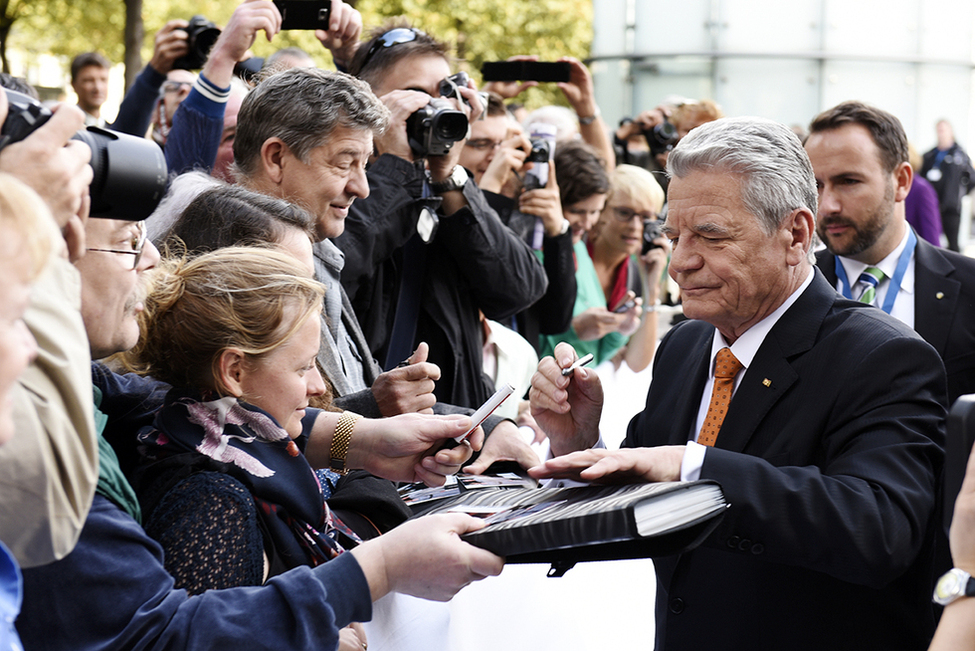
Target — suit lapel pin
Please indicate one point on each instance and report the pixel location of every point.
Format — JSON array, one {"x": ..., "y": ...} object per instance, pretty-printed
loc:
[
  {"x": 939, "y": 295},
  {"x": 766, "y": 382}
]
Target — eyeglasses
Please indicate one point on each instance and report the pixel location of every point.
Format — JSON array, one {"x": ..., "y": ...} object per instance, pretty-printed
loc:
[
  {"x": 483, "y": 144},
  {"x": 625, "y": 214},
  {"x": 177, "y": 86},
  {"x": 389, "y": 39},
  {"x": 138, "y": 243}
]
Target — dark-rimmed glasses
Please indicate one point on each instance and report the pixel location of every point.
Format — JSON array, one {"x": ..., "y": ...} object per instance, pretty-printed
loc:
[
  {"x": 389, "y": 39},
  {"x": 624, "y": 214},
  {"x": 138, "y": 243}
]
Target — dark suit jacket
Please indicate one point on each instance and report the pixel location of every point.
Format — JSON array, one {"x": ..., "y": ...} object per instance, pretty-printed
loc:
[
  {"x": 944, "y": 309},
  {"x": 828, "y": 457}
]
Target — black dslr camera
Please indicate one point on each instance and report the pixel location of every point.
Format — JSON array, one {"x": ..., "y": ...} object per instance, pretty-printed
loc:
[
  {"x": 130, "y": 173},
  {"x": 662, "y": 137},
  {"x": 201, "y": 35},
  {"x": 434, "y": 129},
  {"x": 652, "y": 229}
]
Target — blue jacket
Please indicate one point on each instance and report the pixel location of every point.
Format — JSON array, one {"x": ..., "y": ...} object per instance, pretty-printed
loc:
[{"x": 112, "y": 592}]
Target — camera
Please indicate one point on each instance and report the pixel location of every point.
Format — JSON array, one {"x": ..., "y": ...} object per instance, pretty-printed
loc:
[
  {"x": 201, "y": 35},
  {"x": 652, "y": 229},
  {"x": 540, "y": 155},
  {"x": 662, "y": 137},
  {"x": 434, "y": 129},
  {"x": 542, "y": 137},
  {"x": 130, "y": 173}
]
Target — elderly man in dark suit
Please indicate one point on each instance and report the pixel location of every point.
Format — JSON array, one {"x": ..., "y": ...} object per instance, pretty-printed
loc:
[
  {"x": 859, "y": 155},
  {"x": 822, "y": 418}
]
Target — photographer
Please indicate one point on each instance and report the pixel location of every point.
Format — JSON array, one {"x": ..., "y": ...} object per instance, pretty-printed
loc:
[
  {"x": 471, "y": 262},
  {"x": 646, "y": 140},
  {"x": 496, "y": 153}
]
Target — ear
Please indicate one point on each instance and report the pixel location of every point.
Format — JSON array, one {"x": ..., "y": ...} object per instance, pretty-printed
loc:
[
  {"x": 274, "y": 155},
  {"x": 229, "y": 372},
  {"x": 903, "y": 178},
  {"x": 798, "y": 230}
]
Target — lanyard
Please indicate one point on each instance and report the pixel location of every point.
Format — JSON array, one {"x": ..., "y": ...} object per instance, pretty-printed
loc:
[{"x": 895, "y": 283}]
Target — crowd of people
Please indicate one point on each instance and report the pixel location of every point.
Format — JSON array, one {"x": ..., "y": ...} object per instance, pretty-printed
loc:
[{"x": 204, "y": 413}]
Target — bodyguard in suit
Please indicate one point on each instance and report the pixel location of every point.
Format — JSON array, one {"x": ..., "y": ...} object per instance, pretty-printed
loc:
[
  {"x": 822, "y": 419},
  {"x": 859, "y": 156}
]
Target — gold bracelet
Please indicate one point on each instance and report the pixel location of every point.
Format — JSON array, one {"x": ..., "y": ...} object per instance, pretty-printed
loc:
[{"x": 341, "y": 440}]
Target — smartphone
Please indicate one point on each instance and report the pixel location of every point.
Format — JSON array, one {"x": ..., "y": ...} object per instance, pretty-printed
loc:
[
  {"x": 525, "y": 71},
  {"x": 486, "y": 410},
  {"x": 624, "y": 306},
  {"x": 304, "y": 14}
]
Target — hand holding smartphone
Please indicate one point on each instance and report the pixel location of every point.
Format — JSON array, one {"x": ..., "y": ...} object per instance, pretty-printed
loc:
[
  {"x": 304, "y": 14},
  {"x": 545, "y": 71},
  {"x": 486, "y": 410}
]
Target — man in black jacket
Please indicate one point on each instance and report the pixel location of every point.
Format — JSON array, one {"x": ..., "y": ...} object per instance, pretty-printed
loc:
[
  {"x": 409, "y": 280},
  {"x": 950, "y": 171}
]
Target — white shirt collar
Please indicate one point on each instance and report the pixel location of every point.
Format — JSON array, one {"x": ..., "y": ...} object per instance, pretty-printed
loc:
[
  {"x": 747, "y": 345},
  {"x": 888, "y": 265}
]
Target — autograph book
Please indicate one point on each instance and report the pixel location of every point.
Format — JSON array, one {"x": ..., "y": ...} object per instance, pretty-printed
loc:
[{"x": 564, "y": 526}]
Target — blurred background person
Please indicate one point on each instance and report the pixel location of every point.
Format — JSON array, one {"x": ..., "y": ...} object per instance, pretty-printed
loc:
[
  {"x": 89, "y": 80},
  {"x": 629, "y": 256},
  {"x": 921, "y": 205},
  {"x": 949, "y": 169}
]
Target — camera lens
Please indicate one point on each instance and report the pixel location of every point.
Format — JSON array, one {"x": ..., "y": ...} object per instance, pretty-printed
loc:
[
  {"x": 450, "y": 126},
  {"x": 129, "y": 174}
]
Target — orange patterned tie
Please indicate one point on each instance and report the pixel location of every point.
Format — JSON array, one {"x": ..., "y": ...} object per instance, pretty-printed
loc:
[{"x": 726, "y": 367}]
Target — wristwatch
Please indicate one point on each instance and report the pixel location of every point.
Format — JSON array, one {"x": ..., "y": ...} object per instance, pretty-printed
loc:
[
  {"x": 952, "y": 585},
  {"x": 456, "y": 181}
]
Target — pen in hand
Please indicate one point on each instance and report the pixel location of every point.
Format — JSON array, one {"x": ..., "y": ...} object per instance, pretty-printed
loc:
[{"x": 582, "y": 361}]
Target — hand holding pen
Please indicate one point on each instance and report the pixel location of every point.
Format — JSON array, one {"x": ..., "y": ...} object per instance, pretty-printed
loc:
[
  {"x": 408, "y": 388},
  {"x": 566, "y": 400}
]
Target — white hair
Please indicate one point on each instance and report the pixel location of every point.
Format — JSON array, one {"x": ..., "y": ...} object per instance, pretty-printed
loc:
[{"x": 182, "y": 190}]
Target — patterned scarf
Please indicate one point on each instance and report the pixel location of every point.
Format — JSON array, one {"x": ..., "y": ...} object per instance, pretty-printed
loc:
[{"x": 255, "y": 450}]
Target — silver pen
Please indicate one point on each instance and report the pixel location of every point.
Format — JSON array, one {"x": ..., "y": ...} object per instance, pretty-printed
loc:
[{"x": 582, "y": 361}]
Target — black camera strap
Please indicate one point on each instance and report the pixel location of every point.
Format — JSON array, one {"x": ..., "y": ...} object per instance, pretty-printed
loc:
[{"x": 412, "y": 275}]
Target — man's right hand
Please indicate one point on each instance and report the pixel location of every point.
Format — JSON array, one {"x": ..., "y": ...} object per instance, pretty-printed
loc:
[
  {"x": 250, "y": 17},
  {"x": 48, "y": 161},
  {"x": 409, "y": 388},
  {"x": 401, "y": 104},
  {"x": 170, "y": 44},
  {"x": 567, "y": 408}
]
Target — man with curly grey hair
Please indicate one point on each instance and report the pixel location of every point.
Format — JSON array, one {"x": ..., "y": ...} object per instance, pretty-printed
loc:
[{"x": 821, "y": 418}]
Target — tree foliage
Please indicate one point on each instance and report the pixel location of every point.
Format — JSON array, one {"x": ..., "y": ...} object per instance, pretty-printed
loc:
[
  {"x": 493, "y": 30},
  {"x": 477, "y": 30}
]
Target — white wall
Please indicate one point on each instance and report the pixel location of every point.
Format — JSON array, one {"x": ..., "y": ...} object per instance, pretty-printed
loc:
[{"x": 790, "y": 60}]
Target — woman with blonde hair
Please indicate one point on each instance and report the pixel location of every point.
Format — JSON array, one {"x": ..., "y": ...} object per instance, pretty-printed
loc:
[
  {"x": 629, "y": 255},
  {"x": 227, "y": 486}
]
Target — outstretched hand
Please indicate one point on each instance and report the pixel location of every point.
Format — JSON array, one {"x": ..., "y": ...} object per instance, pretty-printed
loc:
[{"x": 627, "y": 466}]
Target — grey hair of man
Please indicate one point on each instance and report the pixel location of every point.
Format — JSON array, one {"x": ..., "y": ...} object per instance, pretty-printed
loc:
[
  {"x": 302, "y": 107},
  {"x": 776, "y": 175}
]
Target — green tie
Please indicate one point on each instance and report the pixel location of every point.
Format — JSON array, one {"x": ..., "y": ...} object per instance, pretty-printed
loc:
[{"x": 870, "y": 277}]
